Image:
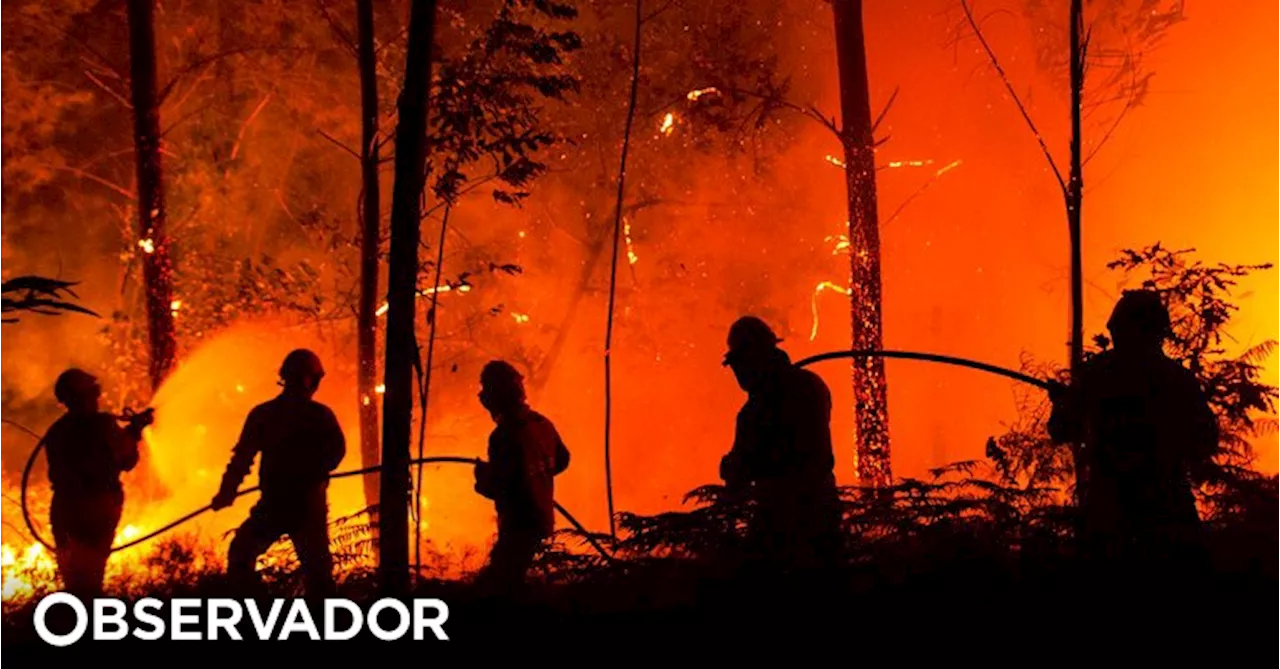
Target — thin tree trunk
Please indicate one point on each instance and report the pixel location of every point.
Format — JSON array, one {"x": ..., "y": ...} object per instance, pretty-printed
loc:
[
  {"x": 1074, "y": 200},
  {"x": 157, "y": 270},
  {"x": 406, "y": 211},
  {"x": 871, "y": 413},
  {"x": 370, "y": 232}
]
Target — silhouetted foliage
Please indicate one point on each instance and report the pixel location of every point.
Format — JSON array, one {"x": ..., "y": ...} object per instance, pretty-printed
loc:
[{"x": 40, "y": 295}]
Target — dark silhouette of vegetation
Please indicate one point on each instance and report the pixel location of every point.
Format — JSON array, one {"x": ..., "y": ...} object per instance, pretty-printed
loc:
[{"x": 40, "y": 295}]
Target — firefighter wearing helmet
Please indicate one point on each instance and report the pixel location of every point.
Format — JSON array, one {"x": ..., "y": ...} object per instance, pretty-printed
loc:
[
  {"x": 1147, "y": 435},
  {"x": 301, "y": 443},
  {"x": 88, "y": 451},
  {"x": 525, "y": 453},
  {"x": 782, "y": 456}
]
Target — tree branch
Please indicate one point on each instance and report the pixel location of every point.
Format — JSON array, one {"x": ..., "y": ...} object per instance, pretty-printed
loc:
[{"x": 1004, "y": 78}]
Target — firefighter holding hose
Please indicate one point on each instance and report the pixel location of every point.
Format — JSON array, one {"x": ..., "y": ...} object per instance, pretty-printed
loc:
[
  {"x": 1148, "y": 436},
  {"x": 88, "y": 451},
  {"x": 301, "y": 443}
]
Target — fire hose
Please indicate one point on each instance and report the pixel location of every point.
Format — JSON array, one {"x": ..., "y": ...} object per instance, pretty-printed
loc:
[
  {"x": 909, "y": 355},
  {"x": 26, "y": 515}
]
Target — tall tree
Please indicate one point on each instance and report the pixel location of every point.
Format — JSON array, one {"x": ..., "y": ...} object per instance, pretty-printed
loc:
[
  {"x": 157, "y": 270},
  {"x": 1133, "y": 26},
  {"x": 370, "y": 233},
  {"x": 870, "y": 391},
  {"x": 406, "y": 214}
]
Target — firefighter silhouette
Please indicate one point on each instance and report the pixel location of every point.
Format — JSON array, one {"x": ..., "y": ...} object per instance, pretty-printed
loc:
[
  {"x": 525, "y": 455},
  {"x": 87, "y": 451},
  {"x": 301, "y": 443},
  {"x": 782, "y": 457},
  {"x": 1147, "y": 434}
]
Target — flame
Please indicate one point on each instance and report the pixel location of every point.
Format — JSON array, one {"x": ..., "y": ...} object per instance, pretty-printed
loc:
[
  {"x": 695, "y": 94},
  {"x": 380, "y": 388},
  {"x": 520, "y": 318},
  {"x": 464, "y": 288},
  {"x": 668, "y": 124},
  {"x": 823, "y": 286},
  {"x": 147, "y": 245},
  {"x": 631, "y": 252},
  {"x": 174, "y": 306},
  {"x": 833, "y": 160}
]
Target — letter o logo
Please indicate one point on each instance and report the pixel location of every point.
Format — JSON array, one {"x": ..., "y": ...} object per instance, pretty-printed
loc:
[
  {"x": 377, "y": 629},
  {"x": 82, "y": 619}
]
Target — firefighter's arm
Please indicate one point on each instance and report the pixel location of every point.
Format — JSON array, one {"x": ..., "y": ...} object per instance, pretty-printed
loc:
[
  {"x": 242, "y": 456},
  {"x": 487, "y": 484},
  {"x": 124, "y": 441}
]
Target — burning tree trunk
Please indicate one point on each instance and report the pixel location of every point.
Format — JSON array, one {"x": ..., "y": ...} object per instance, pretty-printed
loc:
[
  {"x": 370, "y": 217},
  {"x": 157, "y": 271},
  {"x": 410, "y": 177},
  {"x": 869, "y": 387}
]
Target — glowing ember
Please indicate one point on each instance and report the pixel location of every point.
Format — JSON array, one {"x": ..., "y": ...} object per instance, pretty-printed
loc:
[
  {"x": 834, "y": 160},
  {"x": 631, "y": 252},
  {"x": 520, "y": 318},
  {"x": 380, "y": 388},
  {"x": 464, "y": 288},
  {"x": 147, "y": 245},
  {"x": 668, "y": 124},
  {"x": 824, "y": 286},
  {"x": 695, "y": 94},
  {"x": 175, "y": 305}
]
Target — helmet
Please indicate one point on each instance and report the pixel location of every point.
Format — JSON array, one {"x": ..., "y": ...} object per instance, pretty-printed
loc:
[
  {"x": 301, "y": 363},
  {"x": 500, "y": 374},
  {"x": 750, "y": 334},
  {"x": 1141, "y": 311},
  {"x": 70, "y": 382}
]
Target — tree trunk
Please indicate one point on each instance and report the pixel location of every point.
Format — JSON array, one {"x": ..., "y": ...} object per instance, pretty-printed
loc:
[
  {"x": 370, "y": 231},
  {"x": 406, "y": 211},
  {"x": 157, "y": 271},
  {"x": 1074, "y": 201},
  {"x": 871, "y": 413}
]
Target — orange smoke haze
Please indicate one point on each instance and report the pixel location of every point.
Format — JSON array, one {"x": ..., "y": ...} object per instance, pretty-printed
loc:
[{"x": 975, "y": 266}]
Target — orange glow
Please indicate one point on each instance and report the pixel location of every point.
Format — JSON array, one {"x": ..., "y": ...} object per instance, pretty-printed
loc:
[{"x": 976, "y": 266}]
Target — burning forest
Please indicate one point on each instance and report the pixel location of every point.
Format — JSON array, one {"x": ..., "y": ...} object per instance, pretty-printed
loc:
[{"x": 934, "y": 209}]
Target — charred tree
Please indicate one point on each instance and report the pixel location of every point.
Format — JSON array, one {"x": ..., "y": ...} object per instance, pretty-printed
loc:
[
  {"x": 871, "y": 412},
  {"x": 406, "y": 214},
  {"x": 157, "y": 268},
  {"x": 370, "y": 239}
]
